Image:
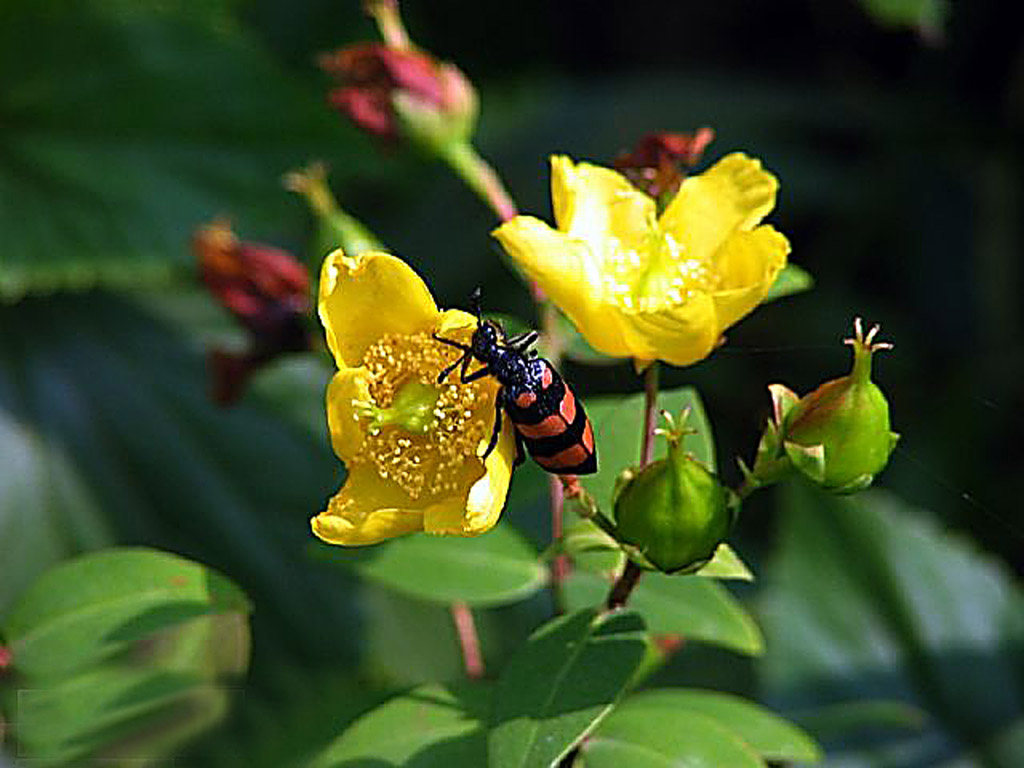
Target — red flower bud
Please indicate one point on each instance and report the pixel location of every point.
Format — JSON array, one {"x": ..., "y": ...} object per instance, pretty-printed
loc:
[
  {"x": 654, "y": 164},
  {"x": 374, "y": 77},
  {"x": 267, "y": 291}
]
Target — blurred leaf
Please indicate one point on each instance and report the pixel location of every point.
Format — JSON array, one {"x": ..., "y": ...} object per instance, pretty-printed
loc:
[
  {"x": 792, "y": 279},
  {"x": 126, "y": 127},
  {"x": 765, "y": 732},
  {"x": 726, "y": 564},
  {"x": 928, "y": 15},
  {"x": 114, "y": 711},
  {"x": 95, "y": 605},
  {"x": 498, "y": 567},
  {"x": 433, "y": 725},
  {"x": 868, "y": 600},
  {"x": 104, "y": 413},
  {"x": 122, "y": 654},
  {"x": 559, "y": 685},
  {"x": 694, "y": 607},
  {"x": 618, "y": 421}
]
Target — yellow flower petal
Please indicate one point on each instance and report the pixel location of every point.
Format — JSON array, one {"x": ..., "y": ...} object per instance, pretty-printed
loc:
[
  {"x": 734, "y": 194},
  {"x": 452, "y": 320},
  {"x": 680, "y": 335},
  {"x": 747, "y": 263},
  {"x": 595, "y": 204},
  {"x": 365, "y": 296},
  {"x": 487, "y": 485},
  {"x": 347, "y": 436},
  {"x": 365, "y": 511},
  {"x": 570, "y": 277}
]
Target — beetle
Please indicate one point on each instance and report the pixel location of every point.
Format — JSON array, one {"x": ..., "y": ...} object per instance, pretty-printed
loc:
[{"x": 548, "y": 417}]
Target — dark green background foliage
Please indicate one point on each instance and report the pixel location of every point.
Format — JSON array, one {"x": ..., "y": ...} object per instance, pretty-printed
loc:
[{"x": 896, "y": 129}]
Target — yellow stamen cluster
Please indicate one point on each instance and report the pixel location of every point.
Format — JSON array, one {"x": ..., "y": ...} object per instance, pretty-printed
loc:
[
  {"x": 427, "y": 462},
  {"x": 662, "y": 276}
]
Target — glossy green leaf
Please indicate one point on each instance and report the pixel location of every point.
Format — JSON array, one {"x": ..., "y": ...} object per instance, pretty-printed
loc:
[
  {"x": 433, "y": 725},
  {"x": 560, "y": 684},
  {"x": 792, "y": 279},
  {"x": 694, "y": 607},
  {"x": 641, "y": 738},
  {"x": 96, "y": 605},
  {"x": 726, "y": 564},
  {"x": 126, "y": 129},
  {"x": 498, "y": 567},
  {"x": 769, "y": 735},
  {"x": 618, "y": 422},
  {"x": 869, "y": 600}
]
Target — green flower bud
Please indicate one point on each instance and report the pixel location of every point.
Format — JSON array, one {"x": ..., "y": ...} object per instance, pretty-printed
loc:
[
  {"x": 838, "y": 435},
  {"x": 674, "y": 512}
]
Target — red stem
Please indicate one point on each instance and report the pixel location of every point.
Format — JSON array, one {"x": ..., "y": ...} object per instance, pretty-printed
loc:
[{"x": 465, "y": 627}]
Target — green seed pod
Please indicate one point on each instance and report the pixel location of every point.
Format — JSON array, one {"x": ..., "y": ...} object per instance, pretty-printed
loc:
[
  {"x": 839, "y": 435},
  {"x": 674, "y": 512}
]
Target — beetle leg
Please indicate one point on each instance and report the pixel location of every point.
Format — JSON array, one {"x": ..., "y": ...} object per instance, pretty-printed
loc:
[
  {"x": 499, "y": 406},
  {"x": 452, "y": 343},
  {"x": 463, "y": 361},
  {"x": 479, "y": 373},
  {"x": 520, "y": 450}
]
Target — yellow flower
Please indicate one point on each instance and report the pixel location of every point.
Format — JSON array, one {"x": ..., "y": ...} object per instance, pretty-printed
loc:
[
  {"x": 412, "y": 446},
  {"x": 645, "y": 286}
]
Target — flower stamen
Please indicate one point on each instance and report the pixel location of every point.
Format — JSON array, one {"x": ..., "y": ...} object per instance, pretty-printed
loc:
[{"x": 420, "y": 435}]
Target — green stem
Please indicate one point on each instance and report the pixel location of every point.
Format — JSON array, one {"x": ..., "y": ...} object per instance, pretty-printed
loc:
[
  {"x": 480, "y": 177},
  {"x": 389, "y": 22}
]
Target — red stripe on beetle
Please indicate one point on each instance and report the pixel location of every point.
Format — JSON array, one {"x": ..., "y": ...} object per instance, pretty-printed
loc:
[
  {"x": 546, "y": 378},
  {"x": 526, "y": 399},
  {"x": 568, "y": 407},
  {"x": 549, "y": 427},
  {"x": 570, "y": 457},
  {"x": 588, "y": 438}
]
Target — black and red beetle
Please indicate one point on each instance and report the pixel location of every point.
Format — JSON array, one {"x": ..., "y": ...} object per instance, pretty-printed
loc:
[{"x": 547, "y": 415}]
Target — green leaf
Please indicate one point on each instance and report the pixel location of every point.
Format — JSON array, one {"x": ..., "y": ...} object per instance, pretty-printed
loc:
[
  {"x": 640, "y": 738},
  {"x": 433, "y": 725},
  {"x": 122, "y": 652},
  {"x": 694, "y": 607},
  {"x": 498, "y": 567},
  {"x": 103, "y": 185},
  {"x": 114, "y": 710},
  {"x": 869, "y": 600},
  {"x": 927, "y": 15},
  {"x": 618, "y": 422},
  {"x": 98, "y": 604},
  {"x": 557, "y": 687},
  {"x": 791, "y": 280},
  {"x": 726, "y": 564},
  {"x": 767, "y": 734}
]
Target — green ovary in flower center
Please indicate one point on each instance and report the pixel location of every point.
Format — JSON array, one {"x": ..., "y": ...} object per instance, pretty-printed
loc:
[{"x": 419, "y": 434}]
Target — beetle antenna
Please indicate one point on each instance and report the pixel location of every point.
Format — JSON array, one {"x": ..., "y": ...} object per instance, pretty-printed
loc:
[{"x": 474, "y": 302}]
